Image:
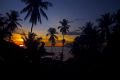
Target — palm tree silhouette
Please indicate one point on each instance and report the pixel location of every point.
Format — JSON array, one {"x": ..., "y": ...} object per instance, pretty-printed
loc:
[
  {"x": 2, "y": 26},
  {"x": 91, "y": 34},
  {"x": 64, "y": 28},
  {"x": 35, "y": 10},
  {"x": 87, "y": 43},
  {"x": 2, "y": 22},
  {"x": 104, "y": 23},
  {"x": 12, "y": 21},
  {"x": 53, "y": 37},
  {"x": 29, "y": 40},
  {"x": 4, "y": 32},
  {"x": 117, "y": 21}
]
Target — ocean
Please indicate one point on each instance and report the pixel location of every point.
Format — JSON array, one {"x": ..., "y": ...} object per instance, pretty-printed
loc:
[{"x": 57, "y": 51}]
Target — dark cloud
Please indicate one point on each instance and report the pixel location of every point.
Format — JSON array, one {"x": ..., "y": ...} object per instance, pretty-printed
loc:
[{"x": 73, "y": 33}]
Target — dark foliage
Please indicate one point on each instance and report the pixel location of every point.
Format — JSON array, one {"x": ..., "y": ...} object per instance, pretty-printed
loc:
[
  {"x": 35, "y": 9},
  {"x": 99, "y": 45},
  {"x": 96, "y": 49}
]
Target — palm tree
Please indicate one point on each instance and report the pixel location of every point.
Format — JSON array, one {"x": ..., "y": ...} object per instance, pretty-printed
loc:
[
  {"x": 35, "y": 10},
  {"x": 64, "y": 28},
  {"x": 53, "y": 37},
  {"x": 104, "y": 23},
  {"x": 29, "y": 40},
  {"x": 4, "y": 32},
  {"x": 12, "y": 21},
  {"x": 91, "y": 34},
  {"x": 117, "y": 17},
  {"x": 2, "y": 25},
  {"x": 86, "y": 43},
  {"x": 117, "y": 21},
  {"x": 2, "y": 22}
]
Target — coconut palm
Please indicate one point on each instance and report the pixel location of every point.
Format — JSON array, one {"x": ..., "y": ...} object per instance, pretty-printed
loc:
[
  {"x": 2, "y": 22},
  {"x": 105, "y": 22},
  {"x": 117, "y": 21},
  {"x": 64, "y": 29},
  {"x": 88, "y": 41},
  {"x": 35, "y": 10},
  {"x": 2, "y": 25},
  {"x": 117, "y": 17},
  {"x": 12, "y": 21},
  {"x": 53, "y": 37},
  {"x": 29, "y": 40},
  {"x": 4, "y": 32}
]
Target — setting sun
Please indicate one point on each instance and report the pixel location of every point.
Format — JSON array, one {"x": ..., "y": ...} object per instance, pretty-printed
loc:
[
  {"x": 17, "y": 39},
  {"x": 64, "y": 35}
]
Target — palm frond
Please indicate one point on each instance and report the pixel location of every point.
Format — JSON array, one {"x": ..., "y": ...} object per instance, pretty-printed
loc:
[
  {"x": 44, "y": 14},
  {"x": 27, "y": 8},
  {"x": 19, "y": 24},
  {"x": 28, "y": 14},
  {"x": 8, "y": 15},
  {"x": 59, "y": 27},
  {"x": 19, "y": 19},
  {"x": 55, "y": 36}
]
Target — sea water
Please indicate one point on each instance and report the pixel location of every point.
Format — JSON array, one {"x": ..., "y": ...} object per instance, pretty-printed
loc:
[{"x": 58, "y": 50}]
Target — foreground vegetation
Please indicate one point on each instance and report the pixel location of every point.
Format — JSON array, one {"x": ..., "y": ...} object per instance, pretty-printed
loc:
[{"x": 96, "y": 48}]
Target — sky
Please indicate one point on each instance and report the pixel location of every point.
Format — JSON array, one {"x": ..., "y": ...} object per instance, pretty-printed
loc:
[{"x": 82, "y": 10}]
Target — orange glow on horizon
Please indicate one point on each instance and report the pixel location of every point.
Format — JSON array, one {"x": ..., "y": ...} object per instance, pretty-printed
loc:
[{"x": 17, "y": 39}]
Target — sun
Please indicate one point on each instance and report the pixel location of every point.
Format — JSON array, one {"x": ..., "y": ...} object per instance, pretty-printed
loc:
[{"x": 17, "y": 39}]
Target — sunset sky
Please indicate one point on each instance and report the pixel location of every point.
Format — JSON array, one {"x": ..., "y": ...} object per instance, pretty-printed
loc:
[{"x": 82, "y": 10}]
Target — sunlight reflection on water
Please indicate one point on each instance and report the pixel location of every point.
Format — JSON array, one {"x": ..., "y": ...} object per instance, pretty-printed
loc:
[{"x": 57, "y": 51}]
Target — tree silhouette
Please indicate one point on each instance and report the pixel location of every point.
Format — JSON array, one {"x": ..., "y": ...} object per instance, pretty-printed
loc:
[
  {"x": 2, "y": 27},
  {"x": 13, "y": 21},
  {"x": 116, "y": 31},
  {"x": 92, "y": 36},
  {"x": 31, "y": 42},
  {"x": 53, "y": 37},
  {"x": 9, "y": 23},
  {"x": 104, "y": 23},
  {"x": 85, "y": 46},
  {"x": 117, "y": 21},
  {"x": 2, "y": 21},
  {"x": 35, "y": 10},
  {"x": 34, "y": 46},
  {"x": 112, "y": 50},
  {"x": 64, "y": 28}
]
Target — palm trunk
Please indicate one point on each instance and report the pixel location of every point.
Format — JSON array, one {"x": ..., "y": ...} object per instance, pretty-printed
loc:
[
  {"x": 63, "y": 44},
  {"x": 32, "y": 28},
  {"x": 62, "y": 54},
  {"x": 107, "y": 33},
  {"x": 51, "y": 48}
]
